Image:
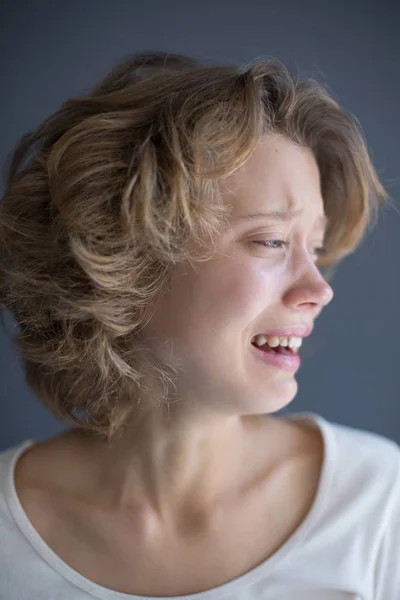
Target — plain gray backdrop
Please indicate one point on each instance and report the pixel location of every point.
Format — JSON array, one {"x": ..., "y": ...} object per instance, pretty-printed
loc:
[{"x": 53, "y": 50}]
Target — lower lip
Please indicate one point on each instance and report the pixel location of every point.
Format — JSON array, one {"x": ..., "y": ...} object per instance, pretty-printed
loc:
[{"x": 282, "y": 361}]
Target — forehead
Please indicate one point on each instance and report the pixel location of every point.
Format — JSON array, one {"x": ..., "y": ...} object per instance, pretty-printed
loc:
[{"x": 279, "y": 176}]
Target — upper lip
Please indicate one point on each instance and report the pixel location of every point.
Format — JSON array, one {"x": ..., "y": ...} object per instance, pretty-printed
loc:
[{"x": 296, "y": 330}]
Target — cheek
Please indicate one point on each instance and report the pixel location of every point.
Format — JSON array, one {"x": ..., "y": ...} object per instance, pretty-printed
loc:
[
  {"x": 221, "y": 312},
  {"x": 212, "y": 306},
  {"x": 238, "y": 293},
  {"x": 248, "y": 290}
]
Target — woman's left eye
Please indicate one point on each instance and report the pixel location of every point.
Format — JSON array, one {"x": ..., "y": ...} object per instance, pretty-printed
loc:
[
  {"x": 265, "y": 243},
  {"x": 269, "y": 244}
]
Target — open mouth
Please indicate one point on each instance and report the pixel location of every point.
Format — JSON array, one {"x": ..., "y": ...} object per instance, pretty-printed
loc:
[
  {"x": 277, "y": 345},
  {"x": 277, "y": 350}
]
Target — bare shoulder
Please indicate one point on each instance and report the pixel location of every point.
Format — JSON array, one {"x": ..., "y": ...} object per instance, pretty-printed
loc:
[
  {"x": 44, "y": 476},
  {"x": 46, "y": 463}
]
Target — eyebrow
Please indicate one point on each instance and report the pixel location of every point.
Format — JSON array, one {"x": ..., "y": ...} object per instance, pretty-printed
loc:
[{"x": 282, "y": 216}]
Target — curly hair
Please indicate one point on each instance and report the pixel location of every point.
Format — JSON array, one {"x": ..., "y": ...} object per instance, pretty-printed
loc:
[{"x": 103, "y": 198}]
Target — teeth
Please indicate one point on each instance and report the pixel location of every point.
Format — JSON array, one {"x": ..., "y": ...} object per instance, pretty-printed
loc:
[
  {"x": 273, "y": 341},
  {"x": 295, "y": 342}
]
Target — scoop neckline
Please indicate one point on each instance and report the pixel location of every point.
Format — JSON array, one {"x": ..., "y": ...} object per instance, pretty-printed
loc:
[{"x": 216, "y": 593}]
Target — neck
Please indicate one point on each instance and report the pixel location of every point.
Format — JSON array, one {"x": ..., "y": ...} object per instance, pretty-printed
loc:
[{"x": 164, "y": 463}]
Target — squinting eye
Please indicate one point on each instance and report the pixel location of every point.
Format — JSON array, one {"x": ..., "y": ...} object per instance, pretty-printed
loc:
[
  {"x": 268, "y": 244},
  {"x": 265, "y": 242}
]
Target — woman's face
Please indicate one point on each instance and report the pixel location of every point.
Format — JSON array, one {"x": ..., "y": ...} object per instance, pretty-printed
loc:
[{"x": 205, "y": 320}]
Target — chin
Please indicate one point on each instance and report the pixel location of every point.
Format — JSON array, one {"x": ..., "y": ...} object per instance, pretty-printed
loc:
[{"x": 275, "y": 397}]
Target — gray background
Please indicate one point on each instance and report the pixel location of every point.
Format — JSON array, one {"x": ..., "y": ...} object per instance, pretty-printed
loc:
[{"x": 53, "y": 50}]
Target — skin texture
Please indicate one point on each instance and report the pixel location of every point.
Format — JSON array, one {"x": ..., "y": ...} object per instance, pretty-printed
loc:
[{"x": 187, "y": 483}]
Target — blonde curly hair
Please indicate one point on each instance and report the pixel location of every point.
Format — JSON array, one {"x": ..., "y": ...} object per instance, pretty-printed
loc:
[{"x": 105, "y": 196}]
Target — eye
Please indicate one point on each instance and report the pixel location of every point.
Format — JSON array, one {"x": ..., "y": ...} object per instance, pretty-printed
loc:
[
  {"x": 319, "y": 251},
  {"x": 265, "y": 243}
]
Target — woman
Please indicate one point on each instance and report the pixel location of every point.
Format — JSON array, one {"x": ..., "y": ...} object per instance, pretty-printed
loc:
[{"x": 165, "y": 251}]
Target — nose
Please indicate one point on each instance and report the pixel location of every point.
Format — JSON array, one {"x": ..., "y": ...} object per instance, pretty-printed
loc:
[{"x": 309, "y": 291}]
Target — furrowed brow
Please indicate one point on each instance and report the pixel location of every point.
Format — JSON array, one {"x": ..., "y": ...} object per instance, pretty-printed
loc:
[
  {"x": 280, "y": 216},
  {"x": 275, "y": 215}
]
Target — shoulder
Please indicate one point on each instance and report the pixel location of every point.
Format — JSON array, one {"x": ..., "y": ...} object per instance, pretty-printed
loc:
[
  {"x": 9, "y": 507},
  {"x": 374, "y": 454},
  {"x": 364, "y": 476},
  {"x": 368, "y": 481},
  {"x": 8, "y": 458},
  {"x": 36, "y": 481},
  {"x": 357, "y": 517},
  {"x": 33, "y": 468},
  {"x": 355, "y": 454}
]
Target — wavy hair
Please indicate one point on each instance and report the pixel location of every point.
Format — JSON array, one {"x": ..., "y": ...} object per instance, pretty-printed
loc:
[{"x": 103, "y": 198}]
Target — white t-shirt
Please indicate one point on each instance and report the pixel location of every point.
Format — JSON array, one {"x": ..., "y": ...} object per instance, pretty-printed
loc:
[{"x": 347, "y": 547}]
